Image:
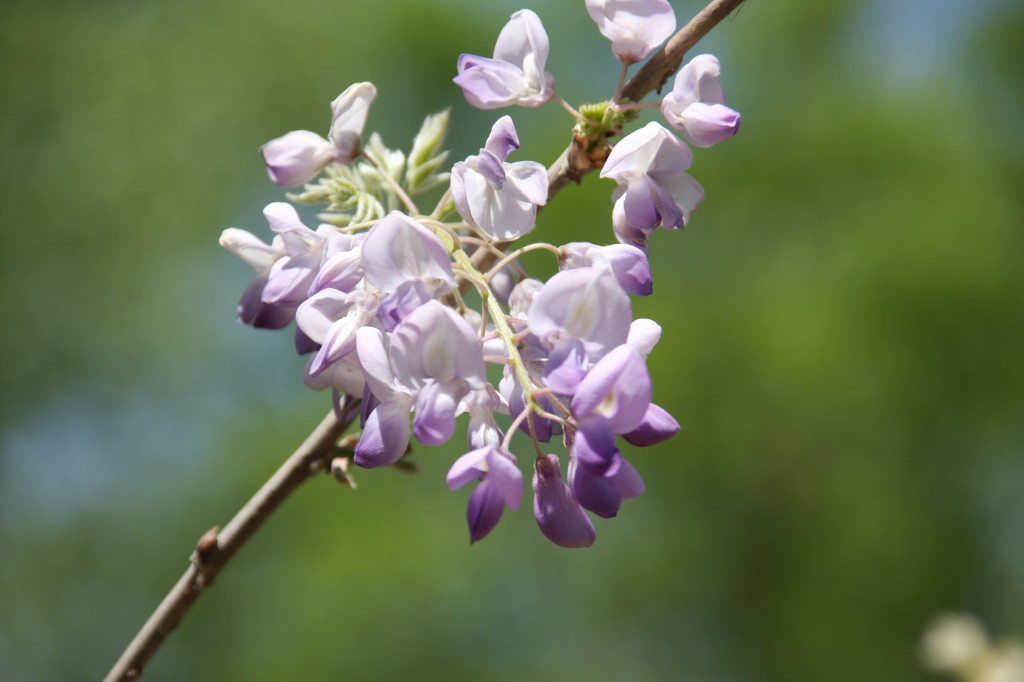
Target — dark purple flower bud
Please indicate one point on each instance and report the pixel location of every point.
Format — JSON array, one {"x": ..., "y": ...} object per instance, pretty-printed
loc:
[
  {"x": 656, "y": 427},
  {"x": 558, "y": 514}
]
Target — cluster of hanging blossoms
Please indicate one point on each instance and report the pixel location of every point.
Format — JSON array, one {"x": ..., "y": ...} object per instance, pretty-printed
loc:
[{"x": 376, "y": 290}]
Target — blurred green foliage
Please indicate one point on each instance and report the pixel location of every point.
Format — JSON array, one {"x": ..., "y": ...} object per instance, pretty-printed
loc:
[{"x": 843, "y": 334}]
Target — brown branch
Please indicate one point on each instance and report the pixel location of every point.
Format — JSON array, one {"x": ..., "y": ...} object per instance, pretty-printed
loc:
[
  {"x": 574, "y": 162},
  {"x": 215, "y": 549}
]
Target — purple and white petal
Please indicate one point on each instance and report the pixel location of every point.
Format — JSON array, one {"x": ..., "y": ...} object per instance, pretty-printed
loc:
[
  {"x": 434, "y": 342},
  {"x": 635, "y": 27},
  {"x": 618, "y": 389},
  {"x": 385, "y": 435},
  {"x": 586, "y": 304},
  {"x": 435, "y": 411},
  {"x": 656, "y": 427},
  {"x": 484, "y": 510},
  {"x": 595, "y": 449},
  {"x": 296, "y": 157},
  {"x": 399, "y": 249},
  {"x": 348, "y": 118}
]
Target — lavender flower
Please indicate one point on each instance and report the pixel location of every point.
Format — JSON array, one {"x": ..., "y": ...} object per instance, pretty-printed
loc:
[
  {"x": 627, "y": 262},
  {"x": 635, "y": 27},
  {"x": 696, "y": 105},
  {"x": 297, "y": 157},
  {"x": 612, "y": 399},
  {"x": 586, "y": 304},
  {"x": 501, "y": 485},
  {"x": 653, "y": 189},
  {"x": 516, "y": 75},
  {"x": 559, "y": 515},
  {"x": 500, "y": 199}
]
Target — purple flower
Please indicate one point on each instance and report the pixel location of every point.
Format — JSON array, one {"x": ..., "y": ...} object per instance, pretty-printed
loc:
[
  {"x": 627, "y": 262},
  {"x": 437, "y": 354},
  {"x": 297, "y": 157},
  {"x": 653, "y": 190},
  {"x": 251, "y": 308},
  {"x": 499, "y": 199},
  {"x": 399, "y": 249},
  {"x": 558, "y": 514},
  {"x": 292, "y": 275},
  {"x": 516, "y": 74},
  {"x": 612, "y": 399},
  {"x": 432, "y": 360},
  {"x": 501, "y": 485},
  {"x": 387, "y": 403},
  {"x": 604, "y": 495},
  {"x": 656, "y": 427},
  {"x": 635, "y": 27},
  {"x": 696, "y": 106},
  {"x": 481, "y": 405},
  {"x": 331, "y": 318},
  {"x": 586, "y": 304}
]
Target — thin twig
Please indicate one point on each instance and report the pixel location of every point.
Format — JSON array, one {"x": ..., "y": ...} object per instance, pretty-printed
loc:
[{"x": 215, "y": 549}]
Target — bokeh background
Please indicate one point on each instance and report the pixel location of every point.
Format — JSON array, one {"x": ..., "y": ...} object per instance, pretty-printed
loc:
[{"x": 843, "y": 335}]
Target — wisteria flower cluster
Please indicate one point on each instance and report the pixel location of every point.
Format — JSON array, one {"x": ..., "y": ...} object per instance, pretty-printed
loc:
[{"x": 379, "y": 289}]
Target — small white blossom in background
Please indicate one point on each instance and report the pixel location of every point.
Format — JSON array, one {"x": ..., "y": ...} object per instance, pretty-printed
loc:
[{"x": 958, "y": 646}]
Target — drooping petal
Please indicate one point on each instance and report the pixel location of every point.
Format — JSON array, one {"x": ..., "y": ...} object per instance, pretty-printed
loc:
[
  {"x": 489, "y": 83},
  {"x": 704, "y": 125},
  {"x": 602, "y": 495},
  {"x": 385, "y": 436},
  {"x": 558, "y": 514},
  {"x": 296, "y": 157},
  {"x": 435, "y": 411},
  {"x": 635, "y": 27},
  {"x": 586, "y": 304},
  {"x": 503, "y": 138},
  {"x": 696, "y": 105},
  {"x": 469, "y": 467},
  {"x": 618, "y": 388},
  {"x": 657, "y": 426},
  {"x": 595, "y": 449},
  {"x": 597, "y": 494},
  {"x": 651, "y": 149},
  {"x": 319, "y": 312},
  {"x": 402, "y": 302},
  {"x": 631, "y": 268},
  {"x": 372, "y": 346},
  {"x": 566, "y": 367},
  {"x": 644, "y": 335},
  {"x": 484, "y": 510},
  {"x": 253, "y": 311},
  {"x": 399, "y": 249},
  {"x": 434, "y": 342}
]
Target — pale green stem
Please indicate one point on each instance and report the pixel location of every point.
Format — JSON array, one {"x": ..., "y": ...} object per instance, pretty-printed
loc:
[
  {"x": 519, "y": 252},
  {"x": 439, "y": 209},
  {"x": 410, "y": 205}
]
